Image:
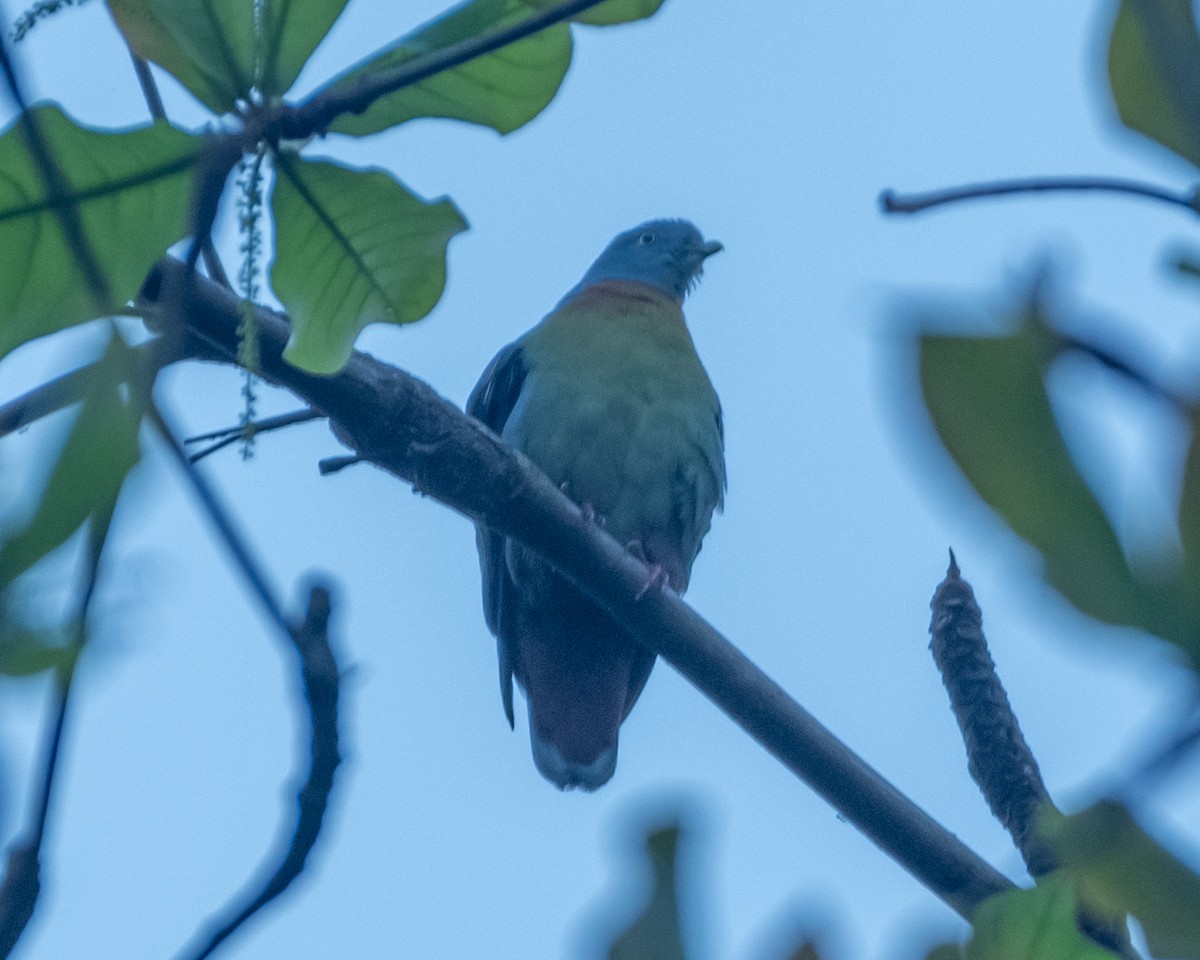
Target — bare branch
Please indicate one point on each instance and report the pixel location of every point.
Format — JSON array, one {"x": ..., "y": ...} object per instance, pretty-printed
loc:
[
  {"x": 320, "y": 676},
  {"x": 61, "y": 392},
  {"x": 220, "y": 518},
  {"x": 56, "y": 186},
  {"x": 399, "y": 423},
  {"x": 22, "y": 878},
  {"x": 892, "y": 202},
  {"x": 227, "y": 435}
]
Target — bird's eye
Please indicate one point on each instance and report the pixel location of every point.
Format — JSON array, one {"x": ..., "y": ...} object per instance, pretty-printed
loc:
[{"x": 645, "y": 238}]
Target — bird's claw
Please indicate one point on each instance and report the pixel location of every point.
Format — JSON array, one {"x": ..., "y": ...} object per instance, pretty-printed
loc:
[{"x": 656, "y": 574}]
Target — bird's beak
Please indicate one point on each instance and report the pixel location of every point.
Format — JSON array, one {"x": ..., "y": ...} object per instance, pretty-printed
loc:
[{"x": 709, "y": 247}]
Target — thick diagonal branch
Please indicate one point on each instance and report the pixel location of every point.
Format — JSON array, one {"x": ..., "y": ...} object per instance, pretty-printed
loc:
[{"x": 401, "y": 424}]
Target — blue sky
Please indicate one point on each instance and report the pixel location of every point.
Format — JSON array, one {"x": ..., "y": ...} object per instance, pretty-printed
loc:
[{"x": 774, "y": 129}]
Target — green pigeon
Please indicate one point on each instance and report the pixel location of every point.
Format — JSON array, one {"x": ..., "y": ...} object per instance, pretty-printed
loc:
[{"x": 609, "y": 398}]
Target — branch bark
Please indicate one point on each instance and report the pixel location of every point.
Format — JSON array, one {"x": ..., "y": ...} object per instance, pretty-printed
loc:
[{"x": 401, "y": 424}]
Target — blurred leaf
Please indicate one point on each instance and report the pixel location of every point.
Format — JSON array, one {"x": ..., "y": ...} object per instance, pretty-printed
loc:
[
  {"x": 353, "y": 247},
  {"x": 807, "y": 950},
  {"x": 207, "y": 45},
  {"x": 1121, "y": 869},
  {"x": 1037, "y": 924},
  {"x": 987, "y": 399},
  {"x": 132, "y": 190},
  {"x": 502, "y": 90},
  {"x": 89, "y": 469},
  {"x": 945, "y": 951},
  {"x": 610, "y": 12},
  {"x": 1188, "y": 266},
  {"x": 25, "y": 652},
  {"x": 294, "y": 29},
  {"x": 655, "y": 934},
  {"x": 1154, "y": 72}
]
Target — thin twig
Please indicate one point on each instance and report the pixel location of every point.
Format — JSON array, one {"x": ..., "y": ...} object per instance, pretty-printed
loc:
[
  {"x": 399, "y": 423},
  {"x": 223, "y": 522},
  {"x": 154, "y": 103},
  {"x": 320, "y": 676},
  {"x": 316, "y": 114},
  {"x": 56, "y": 187},
  {"x": 259, "y": 426},
  {"x": 228, "y": 435},
  {"x": 892, "y": 202},
  {"x": 22, "y": 879},
  {"x": 332, "y": 465},
  {"x": 149, "y": 88},
  {"x": 61, "y": 392},
  {"x": 1127, "y": 369}
]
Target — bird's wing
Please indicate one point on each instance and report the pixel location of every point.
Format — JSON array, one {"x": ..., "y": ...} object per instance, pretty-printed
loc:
[{"x": 491, "y": 402}]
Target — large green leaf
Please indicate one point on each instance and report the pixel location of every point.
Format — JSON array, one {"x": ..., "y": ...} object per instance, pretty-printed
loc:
[
  {"x": 502, "y": 90},
  {"x": 655, "y": 932},
  {"x": 1120, "y": 869},
  {"x": 353, "y": 247},
  {"x": 609, "y": 12},
  {"x": 987, "y": 399},
  {"x": 131, "y": 191},
  {"x": 293, "y": 29},
  {"x": 88, "y": 471},
  {"x": 207, "y": 45},
  {"x": 1037, "y": 924},
  {"x": 1154, "y": 72}
]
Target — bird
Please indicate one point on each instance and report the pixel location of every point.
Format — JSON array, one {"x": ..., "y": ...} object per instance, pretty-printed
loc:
[{"x": 608, "y": 396}]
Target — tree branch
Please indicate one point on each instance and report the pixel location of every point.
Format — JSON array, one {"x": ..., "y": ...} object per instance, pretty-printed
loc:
[
  {"x": 320, "y": 676},
  {"x": 61, "y": 392},
  {"x": 22, "y": 876},
  {"x": 892, "y": 202},
  {"x": 57, "y": 188},
  {"x": 319, "y": 672},
  {"x": 399, "y": 423}
]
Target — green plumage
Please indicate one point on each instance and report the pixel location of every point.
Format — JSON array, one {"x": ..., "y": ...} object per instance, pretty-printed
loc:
[{"x": 609, "y": 398}]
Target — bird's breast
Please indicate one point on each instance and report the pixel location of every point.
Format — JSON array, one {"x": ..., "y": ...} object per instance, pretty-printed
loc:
[{"x": 618, "y": 409}]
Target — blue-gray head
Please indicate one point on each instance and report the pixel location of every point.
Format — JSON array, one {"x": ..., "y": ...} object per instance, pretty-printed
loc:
[{"x": 667, "y": 254}]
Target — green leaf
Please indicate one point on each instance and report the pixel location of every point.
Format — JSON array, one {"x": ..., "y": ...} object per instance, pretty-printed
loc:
[
  {"x": 502, "y": 90},
  {"x": 1037, "y": 924},
  {"x": 987, "y": 399},
  {"x": 1118, "y": 867},
  {"x": 610, "y": 12},
  {"x": 25, "y": 652},
  {"x": 132, "y": 191},
  {"x": 293, "y": 29},
  {"x": 1154, "y": 72},
  {"x": 353, "y": 247},
  {"x": 655, "y": 933},
  {"x": 207, "y": 45},
  {"x": 88, "y": 472}
]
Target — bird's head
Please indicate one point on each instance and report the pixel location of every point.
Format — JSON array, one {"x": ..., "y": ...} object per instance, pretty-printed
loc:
[{"x": 667, "y": 254}]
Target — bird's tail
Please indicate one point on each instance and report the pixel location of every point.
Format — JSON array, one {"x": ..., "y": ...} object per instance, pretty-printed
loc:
[{"x": 581, "y": 675}]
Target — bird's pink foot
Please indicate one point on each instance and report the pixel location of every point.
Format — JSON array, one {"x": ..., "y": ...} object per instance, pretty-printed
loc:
[
  {"x": 656, "y": 575},
  {"x": 589, "y": 513}
]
